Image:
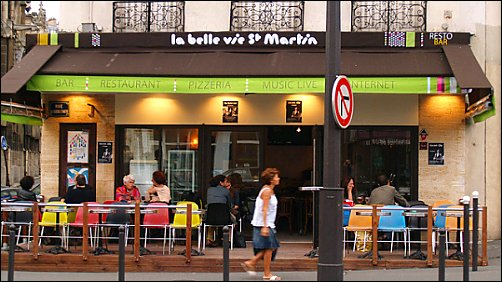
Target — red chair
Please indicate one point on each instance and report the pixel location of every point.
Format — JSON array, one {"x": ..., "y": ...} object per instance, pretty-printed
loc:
[
  {"x": 93, "y": 220},
  {"x": 157, "y": 220}
]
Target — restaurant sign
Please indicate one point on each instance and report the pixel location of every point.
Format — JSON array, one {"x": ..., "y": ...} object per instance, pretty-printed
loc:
[{"x": 221, "y": 85}]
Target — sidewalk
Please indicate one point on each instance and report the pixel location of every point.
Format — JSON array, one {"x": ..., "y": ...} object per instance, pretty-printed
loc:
[{"x": 485, "y": 273}]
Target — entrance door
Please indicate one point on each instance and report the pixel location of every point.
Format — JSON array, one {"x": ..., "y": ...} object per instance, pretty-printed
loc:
[{"x": 77, "y": 154}]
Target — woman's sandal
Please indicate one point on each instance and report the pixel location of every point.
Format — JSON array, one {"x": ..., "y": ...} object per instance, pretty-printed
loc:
[
  {"x": 250, "y": 270},
  {"x": 272, "y": 278}
]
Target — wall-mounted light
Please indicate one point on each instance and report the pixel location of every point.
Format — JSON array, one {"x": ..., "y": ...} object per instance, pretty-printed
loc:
[{"x": 93, "y": 108}]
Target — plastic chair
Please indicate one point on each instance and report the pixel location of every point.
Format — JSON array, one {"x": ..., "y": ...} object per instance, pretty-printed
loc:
[
  {"x": 451, "y": 225},
  {"x": 180, "y": 219},
  {"x": 92, "y": 220},
  {"x": 359, "y": 223},
  {"x": 346, "y": 215},
  {"x": 395, "y": 222},
  {"x": 157, "y": 220},
  {"x": 218, "y": 215},
  {"x": 50, "y": 219},
  {"x": 439, "y": 222}
]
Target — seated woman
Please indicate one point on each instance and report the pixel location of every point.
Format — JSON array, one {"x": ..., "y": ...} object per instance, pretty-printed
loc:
[
  {"x": 158, "y": 192},
  {"x": 127, "y": 192}
]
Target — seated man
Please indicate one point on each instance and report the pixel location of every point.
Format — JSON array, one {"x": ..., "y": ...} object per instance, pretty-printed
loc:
[
  {"x": 385, "y": 194},
  {"x": 81, "y": 192},
  {"x": 217, "y": 193}
]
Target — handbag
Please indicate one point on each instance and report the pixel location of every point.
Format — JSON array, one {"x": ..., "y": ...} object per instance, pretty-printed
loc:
[{"x": 239, "y": 240}]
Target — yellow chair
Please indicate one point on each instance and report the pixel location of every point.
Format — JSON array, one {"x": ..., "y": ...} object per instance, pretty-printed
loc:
[
  {"x": 180, "y": 221},
  {"x": 359, "y": 223},
  {"x": 50, "y": 219}
]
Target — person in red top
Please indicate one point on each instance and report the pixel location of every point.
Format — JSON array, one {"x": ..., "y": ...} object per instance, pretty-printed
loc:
[{"x": 128, "y": 192}]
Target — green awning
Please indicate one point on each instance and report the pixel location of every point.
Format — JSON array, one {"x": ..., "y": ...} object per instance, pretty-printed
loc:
[
  {"x": 245, "y": 85},
  {"x": 22, "y": 119}
]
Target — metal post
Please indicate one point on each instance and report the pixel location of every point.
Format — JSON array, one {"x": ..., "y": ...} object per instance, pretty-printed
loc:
[
  {"x": 442, "y": 255},
  {"x": 466, "y": 201},
  {"x": 330, "y": 264},
  {"x": 475, "y": 226},
  {"x": 12, "y": 248},
  {"x": 225, "y": 254},
  {"x": 122, "y": 253}
]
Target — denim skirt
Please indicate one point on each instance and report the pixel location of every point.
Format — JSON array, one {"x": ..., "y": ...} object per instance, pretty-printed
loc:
[{"x": 264, "y": 242}]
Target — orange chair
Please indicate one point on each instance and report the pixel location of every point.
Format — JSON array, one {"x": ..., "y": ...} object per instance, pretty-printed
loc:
[
  {"x": 359, "y": 223},
  {"x": 451, "y": 225}
]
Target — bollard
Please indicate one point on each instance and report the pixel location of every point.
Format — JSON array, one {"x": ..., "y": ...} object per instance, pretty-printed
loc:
[
  {"x": 225, "y": 254},
  {"x": 475, "y": 226},
  {"x": 466, "y": 201},
  {"x": 442, "y": 255},
  {"x": 12, "y": 248},
  {"x": 122, "y": 253}
]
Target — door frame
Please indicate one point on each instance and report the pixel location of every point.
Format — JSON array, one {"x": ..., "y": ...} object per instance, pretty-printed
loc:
[{"x": 63, "y": 154}]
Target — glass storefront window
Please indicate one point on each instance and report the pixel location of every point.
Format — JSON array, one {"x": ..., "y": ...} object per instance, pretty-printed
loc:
[
  {"x": 236, "y": 152},
  {"x": 374, "y": 151},
  {"x": 172, "y": 150}
]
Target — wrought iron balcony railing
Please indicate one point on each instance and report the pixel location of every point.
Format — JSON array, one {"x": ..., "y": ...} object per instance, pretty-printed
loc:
[
  {"x": 267, "y": 16},
  {"x": 149, "y": 16},
  {"x": 389, "y": 16}
]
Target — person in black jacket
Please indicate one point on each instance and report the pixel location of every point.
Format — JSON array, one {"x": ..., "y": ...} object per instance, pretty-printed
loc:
[
  {"x": 25, "y": 194},
  {"x": 81, "y": 192}
]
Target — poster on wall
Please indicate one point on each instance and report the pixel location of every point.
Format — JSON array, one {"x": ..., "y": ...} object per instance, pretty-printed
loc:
[
  {"x": 293, "y": 111},
  {"x": 436, "y": 153},
  {"x": 105, "y": 150},
  {"x": 230, "y": 111},
  {"x": 78, "y": 147},
  {"x": 72, "y": 172}
]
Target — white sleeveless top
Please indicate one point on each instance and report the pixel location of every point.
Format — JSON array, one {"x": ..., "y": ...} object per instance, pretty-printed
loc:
[{"x": 258, "y": 211}]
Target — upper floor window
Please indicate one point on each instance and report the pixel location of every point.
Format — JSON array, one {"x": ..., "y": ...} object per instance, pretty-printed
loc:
[
  {"x": 388, "y": 16},
  {"x": 148, "y": 16},
  {"x": 267, "y": 16}
]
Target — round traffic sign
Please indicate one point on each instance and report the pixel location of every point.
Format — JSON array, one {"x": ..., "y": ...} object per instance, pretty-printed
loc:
[
  {"x": 342, "y": 101},
  {"x": 4, "y": 143}
]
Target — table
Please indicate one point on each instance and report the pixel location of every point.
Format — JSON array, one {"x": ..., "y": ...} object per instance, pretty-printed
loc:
[
  {"x": 418, "y": 254},
  {"x": 315, "y": 236},
  {"x": 100, "y": 249},
  {"x": 58, "y": 210},
  {"x": 15, "y": 210},
  {"x": 369, "y": 254}
]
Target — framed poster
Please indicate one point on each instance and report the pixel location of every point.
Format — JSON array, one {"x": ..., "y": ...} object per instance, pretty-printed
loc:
[
  {"x": 436, "y": 153},
  {"x": 59, "y": 108},
  {"x": 293, "y": 111},
  {"x": 105, "y": 150},
  {"x": 230, "y": 111},
  {"x": 72, "y": 172},
  {"x": 78, "y": 147}
]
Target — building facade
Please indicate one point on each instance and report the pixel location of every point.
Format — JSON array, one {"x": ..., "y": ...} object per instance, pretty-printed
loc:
[{"x": 203, "y": 94}]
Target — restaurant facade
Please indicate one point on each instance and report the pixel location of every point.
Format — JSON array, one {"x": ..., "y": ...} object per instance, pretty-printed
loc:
[{"x": 197, "y": 104}]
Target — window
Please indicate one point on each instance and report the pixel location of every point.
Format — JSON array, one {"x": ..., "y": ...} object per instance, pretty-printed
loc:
[
  {"x": 172, "y": 150},
  {"x": 372, "y": 151},
  {"x": 388, "y": 16},
  {"x": 148, "y": 16},
  {"x": 267, "y": 16}
]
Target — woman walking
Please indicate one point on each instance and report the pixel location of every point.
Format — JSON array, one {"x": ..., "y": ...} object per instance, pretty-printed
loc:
[{"x": 265, "y": 243}]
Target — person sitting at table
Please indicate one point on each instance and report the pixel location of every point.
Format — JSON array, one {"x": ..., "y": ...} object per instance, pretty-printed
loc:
[
  {"x": 80, "y": 192},
  {"x": 349, "y": 189},
  {"x": 158, "y": 192},
  {"x": 128, "y": 192},
  {"x": 25, "y": 193},
  {"x": 217, "y": 193},
  {"x": 385, "y": 194}
]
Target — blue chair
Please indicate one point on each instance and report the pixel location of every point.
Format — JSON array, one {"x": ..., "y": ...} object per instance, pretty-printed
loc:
[
  {"x": 439, "y": 222},
  {"x": 395, "y": 222},
  {"x": 346, "y": 216}
]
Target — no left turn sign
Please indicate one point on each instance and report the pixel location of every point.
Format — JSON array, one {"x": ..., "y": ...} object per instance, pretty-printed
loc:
[{"x": 342, "y": 101}]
